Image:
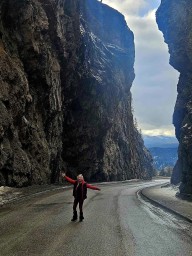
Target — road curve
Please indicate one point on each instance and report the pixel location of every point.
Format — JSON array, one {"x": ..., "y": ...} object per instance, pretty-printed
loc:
[{"x": 117, "y": 222}]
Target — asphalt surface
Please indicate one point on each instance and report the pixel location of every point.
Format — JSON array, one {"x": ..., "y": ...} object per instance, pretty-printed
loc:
[
  {"x": 117, "y": 222},
  {"x": 165, "y": 197}
]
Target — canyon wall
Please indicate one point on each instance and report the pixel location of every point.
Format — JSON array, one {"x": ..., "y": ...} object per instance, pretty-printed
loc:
[
  {"x": 65, "y": 104},
  {"x": 174, "y": 19}
]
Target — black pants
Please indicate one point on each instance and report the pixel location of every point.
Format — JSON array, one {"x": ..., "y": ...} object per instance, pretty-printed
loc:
[{"x": 76, "y": 202}]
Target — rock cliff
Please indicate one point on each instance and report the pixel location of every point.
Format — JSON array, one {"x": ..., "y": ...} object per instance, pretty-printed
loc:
[
  {"x": 174, "y": 19},
  {"x": 66, "y": 68}
]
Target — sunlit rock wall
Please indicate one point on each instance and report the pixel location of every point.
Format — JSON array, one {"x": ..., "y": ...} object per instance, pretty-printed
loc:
[
  {"x": 31, "y": 63},
  {"x": 66, "y": 70},
  {"x": 174, "y": 19}
]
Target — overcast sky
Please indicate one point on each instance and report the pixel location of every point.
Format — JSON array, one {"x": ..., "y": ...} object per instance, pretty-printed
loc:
[{"x": 155, "y": 87}]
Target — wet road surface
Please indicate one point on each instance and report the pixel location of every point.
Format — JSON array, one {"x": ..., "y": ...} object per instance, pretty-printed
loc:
[{"x": 117, "y": 222}]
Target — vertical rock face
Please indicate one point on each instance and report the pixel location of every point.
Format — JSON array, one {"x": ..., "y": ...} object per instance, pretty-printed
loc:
[
  {"x": 66, "y": 68},
  {"x": 31, "y": 117},
  {"x": 99, "y": 117},
  {"x": 174, "y": 19}
]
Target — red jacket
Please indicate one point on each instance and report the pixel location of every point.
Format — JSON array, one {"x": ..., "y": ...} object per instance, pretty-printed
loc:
[
  {"x": 84, "y": 187},
  {"x": 88, "y": 185},
  {"x": 80, "y": 190}
]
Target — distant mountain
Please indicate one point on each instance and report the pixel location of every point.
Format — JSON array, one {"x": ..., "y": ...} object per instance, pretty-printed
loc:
[
  {"x": 163, "y": 157},
  {"x": 163, "y": 150},
  {"x": 160, "y": 141}
]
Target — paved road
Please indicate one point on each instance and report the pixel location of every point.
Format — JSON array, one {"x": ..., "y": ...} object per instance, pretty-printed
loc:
[{"x": 117, "y": 222}]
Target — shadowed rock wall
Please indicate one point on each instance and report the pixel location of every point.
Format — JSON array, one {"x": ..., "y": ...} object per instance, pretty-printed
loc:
[
  {"x": 66, "y": 70},
  {"x": 174, "y": 19}
]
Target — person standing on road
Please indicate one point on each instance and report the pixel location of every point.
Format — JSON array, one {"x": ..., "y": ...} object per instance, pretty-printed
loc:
[{"x": 79, "y": 193}]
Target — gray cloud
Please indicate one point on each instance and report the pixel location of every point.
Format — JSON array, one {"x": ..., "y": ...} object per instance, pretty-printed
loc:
[{"x": 154, "y": 88}]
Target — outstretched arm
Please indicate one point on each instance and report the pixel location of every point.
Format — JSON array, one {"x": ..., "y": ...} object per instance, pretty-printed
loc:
[
  {"x": 93, "y": 187},
  {"x": 68, "y": 179}
]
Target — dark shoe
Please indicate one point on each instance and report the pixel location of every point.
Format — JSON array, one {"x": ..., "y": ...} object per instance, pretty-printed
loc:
[
  {"x": 74, "y": 216},
  {"x": 81, "y": 218}
]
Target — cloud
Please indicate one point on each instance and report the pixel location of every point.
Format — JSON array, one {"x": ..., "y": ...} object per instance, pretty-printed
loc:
[
  {"x": 154, "y": 89},
  {"x": 127, "y": 7},
  {"x": 155, "y": 132},
  {"x": 133, "y": 7}
]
